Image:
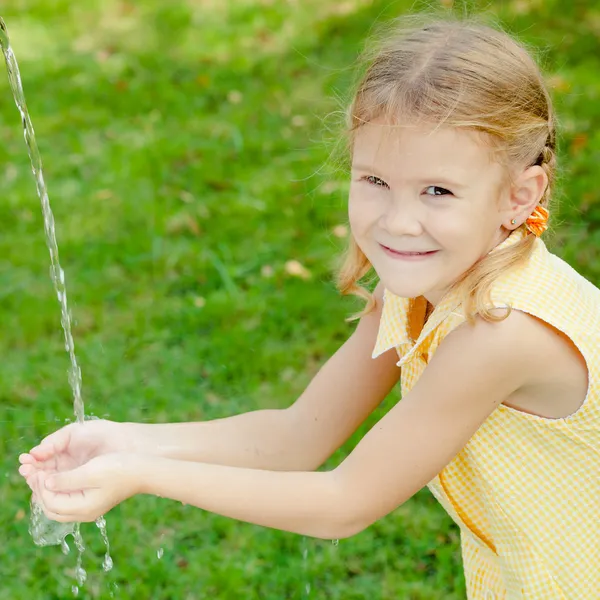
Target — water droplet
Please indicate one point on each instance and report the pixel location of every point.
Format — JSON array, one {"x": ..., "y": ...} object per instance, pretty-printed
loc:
[
  {"x": 64, "y": 546},
  {"x": 305, "y": 553},
  {"x": 335, "y": 542},
  {"x": 307, "y": 589},
  {"x": 80, "y": 575},
  {"x": 75, "y": 590},
  {"x": 160, "y": 553},
  {"x": 107, "y": 565},
  {"x": 78, "y": 540}
]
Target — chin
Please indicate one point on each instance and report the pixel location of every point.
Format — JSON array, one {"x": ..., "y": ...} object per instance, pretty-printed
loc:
[{"x": 403, "y": 290}]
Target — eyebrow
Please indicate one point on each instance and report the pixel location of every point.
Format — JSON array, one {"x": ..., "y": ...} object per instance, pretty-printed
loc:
[{"x": 437, "y": 179}]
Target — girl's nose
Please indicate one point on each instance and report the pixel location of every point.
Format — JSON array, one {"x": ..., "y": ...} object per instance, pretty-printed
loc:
[{"x": 401, "y": 218}]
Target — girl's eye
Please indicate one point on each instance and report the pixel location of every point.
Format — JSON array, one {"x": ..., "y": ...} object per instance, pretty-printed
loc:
[
  {"x": 372, "y": 180},
  {"x": 375, "y": 181},
  {"x": 440, "y": 191}
]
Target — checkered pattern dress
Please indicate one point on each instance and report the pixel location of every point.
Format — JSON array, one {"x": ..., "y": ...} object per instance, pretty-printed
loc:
[{"x": 525, "y": 490}]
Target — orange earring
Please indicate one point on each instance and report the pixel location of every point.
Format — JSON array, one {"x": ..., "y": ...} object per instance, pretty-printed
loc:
[{"x": 537, "y": 222}]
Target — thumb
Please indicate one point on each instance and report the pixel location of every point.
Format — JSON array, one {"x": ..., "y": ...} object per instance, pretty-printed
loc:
[
  {"x": 70, "y": 481},
  {"x": 52, "y": 444}
]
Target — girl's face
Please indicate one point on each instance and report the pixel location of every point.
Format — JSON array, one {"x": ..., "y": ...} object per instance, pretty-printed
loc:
[{"x": 417, "y": 189}]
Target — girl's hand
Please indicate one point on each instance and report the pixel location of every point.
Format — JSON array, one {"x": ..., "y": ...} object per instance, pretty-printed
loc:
[
  {"x": 74, "y": 445},
  {"x": 88, "y": 491}
]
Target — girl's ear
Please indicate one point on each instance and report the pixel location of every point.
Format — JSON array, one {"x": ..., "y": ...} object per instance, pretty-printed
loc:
[{"x": 526, "y": 192}]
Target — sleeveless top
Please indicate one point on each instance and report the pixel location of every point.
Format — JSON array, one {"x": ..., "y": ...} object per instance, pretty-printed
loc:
[{"x": 525, "y": 490}]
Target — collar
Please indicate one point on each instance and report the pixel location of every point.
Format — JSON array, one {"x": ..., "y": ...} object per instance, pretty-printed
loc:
[{"x": 401, "y": 317}]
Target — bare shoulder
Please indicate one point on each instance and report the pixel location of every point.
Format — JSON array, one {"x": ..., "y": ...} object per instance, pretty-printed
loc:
[
  {"x": 486, "y": 353},
  {"x": 549, "y": 376},
  {"x": 527, "y": 337},
  {"x": 529, "y": 364},
  {"x": 557, "y": 374}
]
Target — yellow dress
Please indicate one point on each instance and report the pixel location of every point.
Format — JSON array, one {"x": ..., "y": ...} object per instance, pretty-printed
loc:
[{"x": 525, "y": 490}]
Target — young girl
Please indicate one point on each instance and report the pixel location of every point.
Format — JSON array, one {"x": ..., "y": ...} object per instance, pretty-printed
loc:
[{"x": 452, "y": 140}]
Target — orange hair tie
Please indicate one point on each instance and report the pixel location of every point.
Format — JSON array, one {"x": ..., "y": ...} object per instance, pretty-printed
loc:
[{"x": 537, "y": 223}]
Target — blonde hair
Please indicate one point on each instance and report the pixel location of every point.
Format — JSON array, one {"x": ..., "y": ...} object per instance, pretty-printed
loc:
[{"x": 460, "y": 72}]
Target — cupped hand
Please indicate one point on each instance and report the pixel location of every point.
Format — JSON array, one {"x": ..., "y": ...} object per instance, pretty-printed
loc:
[
  {"x": 73, "y": 446},
  {"x": 85, "y": 493}
]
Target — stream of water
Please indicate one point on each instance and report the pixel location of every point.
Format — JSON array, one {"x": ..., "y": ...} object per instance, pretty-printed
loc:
[{"x": 44, "y": 531}]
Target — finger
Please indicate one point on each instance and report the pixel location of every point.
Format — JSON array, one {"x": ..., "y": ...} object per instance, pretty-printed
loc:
[
  {"x": 60, "y": 517},
  {"x": 74, "y": 506},
  {"x": 29, "y": 481},
  {"x": 26, "y": 458},
  {"x": 27, "y": 470},
  {"x": 45, "y": 451},
  {"x": 29, "y": 467},
  {"x": 66, "y": 518},
  {"x": 45, "y": 457},
  {"x": 64, "y": 482},
  {"x": 58, "y": 436},
  {"x": 53, "y": 443},
  {"x": 33, "y": 483}
]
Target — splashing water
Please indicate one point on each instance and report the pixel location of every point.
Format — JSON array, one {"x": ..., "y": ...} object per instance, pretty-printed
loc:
[
  {"x": 307, "y": 585},
  {"x": 44, "y": 531},
  {"x": 107, "y": 565},
  {"x": 56, "y": 273}
]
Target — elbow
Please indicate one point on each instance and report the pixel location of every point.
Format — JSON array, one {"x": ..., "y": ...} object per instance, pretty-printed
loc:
[
  {"x": 347, "y": 515},
  {"x": 342, "y": 528},
  {"x": 349, "y": 530}
]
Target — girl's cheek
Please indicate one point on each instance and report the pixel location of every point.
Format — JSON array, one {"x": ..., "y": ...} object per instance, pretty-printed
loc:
[
  {"x": 353, "y": 215},
  {"x": 362, "y": 209}
]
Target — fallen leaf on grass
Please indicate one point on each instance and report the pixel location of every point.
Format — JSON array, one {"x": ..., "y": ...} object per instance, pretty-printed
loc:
[
  {"x": 340, "y": 231},
  {"x": 295, "y": 269},
  {"x": 183, "y": 222},
  {"x": 235, "y": 97},
  {"x": 266, "y": 271}
]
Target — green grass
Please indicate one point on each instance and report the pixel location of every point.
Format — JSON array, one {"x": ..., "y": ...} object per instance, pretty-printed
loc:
[{"x": 185, "y": 147}]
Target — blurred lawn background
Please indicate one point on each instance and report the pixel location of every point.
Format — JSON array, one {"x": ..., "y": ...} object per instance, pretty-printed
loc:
[{"x": 185, "y": 146}]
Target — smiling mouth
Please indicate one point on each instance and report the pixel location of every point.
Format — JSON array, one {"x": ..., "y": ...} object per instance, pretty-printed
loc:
[{"x": 408, "y": 253}]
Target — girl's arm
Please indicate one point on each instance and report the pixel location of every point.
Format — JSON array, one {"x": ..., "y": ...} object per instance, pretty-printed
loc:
[
  {"x": 473, "y": 371},
  {"x": 348, "y": 387},
  {"x": 300, "y": 438}
]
